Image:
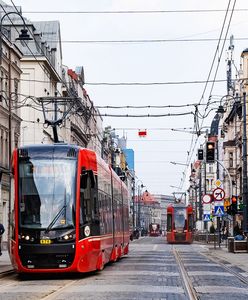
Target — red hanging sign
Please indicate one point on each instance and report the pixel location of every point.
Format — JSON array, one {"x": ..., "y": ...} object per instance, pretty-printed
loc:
[{"x": 142, "y": 133}]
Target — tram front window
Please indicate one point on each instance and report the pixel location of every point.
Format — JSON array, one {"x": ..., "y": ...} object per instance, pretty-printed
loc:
[
  {"x": 180, "y": 219},
  {"x": 47, "y": 193}
]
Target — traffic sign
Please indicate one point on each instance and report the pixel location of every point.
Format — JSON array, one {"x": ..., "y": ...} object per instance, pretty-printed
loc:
[
  {"x": 218, "y": 194},
  {"x": 206, "y": 207},
  {"x": 219, "y": 211},
  {"x": 206, "y": 199},
  {"x": 206, "y": 218},
  {"x": 218, "y": 183}
]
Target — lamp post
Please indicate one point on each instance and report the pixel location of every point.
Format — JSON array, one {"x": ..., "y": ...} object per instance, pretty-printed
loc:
[
  {"x": 245, "y": 187},
  {"x": 139, "y": 191},
  {"x": 22, "y": 37}
]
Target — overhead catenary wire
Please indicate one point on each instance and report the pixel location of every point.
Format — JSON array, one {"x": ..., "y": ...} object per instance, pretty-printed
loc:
[
  {"x": 131, "y": 11},
  {"x": 142, "y": 41},
  {"x": 194, "y": 139},
  {"x": 132, "y": 83}
]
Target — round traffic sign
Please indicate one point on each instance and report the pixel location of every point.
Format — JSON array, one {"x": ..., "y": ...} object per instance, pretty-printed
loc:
[
  {"x": 206, "y": 199},
  {"x": 218, "y": 194}
]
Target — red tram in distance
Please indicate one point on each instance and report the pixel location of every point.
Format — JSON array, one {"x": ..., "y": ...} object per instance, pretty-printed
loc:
[
  {"x": 70, "y": 211},
  {"x": 154, "y": 229},
  {"x": 179, "y": 223}
]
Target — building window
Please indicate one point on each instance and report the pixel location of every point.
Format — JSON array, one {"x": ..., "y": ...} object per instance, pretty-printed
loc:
[
  {"x": 207, "y": 184},
  {"x": 231, "y": 159}
]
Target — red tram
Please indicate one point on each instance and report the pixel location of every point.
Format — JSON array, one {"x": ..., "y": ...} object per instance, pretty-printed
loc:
[
  {"x": 154, "y": 229},
  {"x": 179, "y": 223},
  {"x": 70, "y": 211}
]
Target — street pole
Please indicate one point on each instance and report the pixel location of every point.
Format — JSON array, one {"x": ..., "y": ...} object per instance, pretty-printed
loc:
[
  {"x": 133, "y": 189},
  {"x": 244, "y": 148},
  {"x": 138, "y": 219},
  {"x": 200, "y": 193}
]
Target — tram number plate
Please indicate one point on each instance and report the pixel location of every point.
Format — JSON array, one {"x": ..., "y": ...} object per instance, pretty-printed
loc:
[{"x": 45, "y": 242}]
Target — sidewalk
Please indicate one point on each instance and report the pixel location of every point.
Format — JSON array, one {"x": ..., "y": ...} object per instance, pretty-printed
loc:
[
  {"x": 5, "y": 264},
  {"x": 235, "y": 259}
]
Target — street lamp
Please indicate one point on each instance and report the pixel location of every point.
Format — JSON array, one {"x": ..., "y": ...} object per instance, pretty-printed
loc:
[
  {"x": 176, "y": 187},
  {"x": 22, "y": 37},
  {"x": 177, "y": 163}
]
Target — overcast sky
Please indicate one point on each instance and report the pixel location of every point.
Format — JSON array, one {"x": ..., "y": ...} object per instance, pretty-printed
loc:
[{"x": 149, "y": 62}]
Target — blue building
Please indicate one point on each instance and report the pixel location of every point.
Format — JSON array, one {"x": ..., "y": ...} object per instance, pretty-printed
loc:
[{"x": 129, "y": 154}]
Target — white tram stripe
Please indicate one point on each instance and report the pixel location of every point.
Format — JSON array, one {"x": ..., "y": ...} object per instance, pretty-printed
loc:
[
  {"x": 128, "y": 288},
  {"x": 154, "y": 247},
  {"x": 212, "y": 273},
  {"x": 162, "y": 264},
  {"x": 202, "y": 264},
  {"x": 140, "y": 273},
  {"x": 221, "y": 290}
]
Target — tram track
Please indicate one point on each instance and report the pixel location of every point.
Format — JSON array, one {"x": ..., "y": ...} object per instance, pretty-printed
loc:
[
  {"x": 192, "y": 295},
  {"x": 60, "y": 290},
  {"x": 7, "y": 274}
]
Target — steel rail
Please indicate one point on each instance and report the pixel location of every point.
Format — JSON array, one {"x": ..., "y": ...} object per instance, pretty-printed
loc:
[
  {"x": 191, "y": 292},
  {"x": 54, "y": 294}
]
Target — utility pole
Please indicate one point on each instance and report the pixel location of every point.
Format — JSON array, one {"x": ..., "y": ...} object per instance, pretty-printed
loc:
[
  {"x": 244, "y": 148},
  {"x": 133, "y": 187},
  {"x": 229, "y": 66}
]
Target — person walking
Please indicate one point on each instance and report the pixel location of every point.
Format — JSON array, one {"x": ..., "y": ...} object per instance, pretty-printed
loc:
[{"x": 1, "y": 234}]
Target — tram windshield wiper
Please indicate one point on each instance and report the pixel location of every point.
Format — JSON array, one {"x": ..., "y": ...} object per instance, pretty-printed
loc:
[{"x": 55, "y": 219}]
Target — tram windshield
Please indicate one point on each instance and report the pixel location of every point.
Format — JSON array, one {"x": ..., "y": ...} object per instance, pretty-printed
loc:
[
  {"x": 180, "y": 218},
  {"x": 47, "y": 193}
]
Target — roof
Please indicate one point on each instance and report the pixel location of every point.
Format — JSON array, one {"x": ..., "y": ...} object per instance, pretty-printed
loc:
[
  {"x": 215, "y": 125},
  {"x": 50, "y": 31}
]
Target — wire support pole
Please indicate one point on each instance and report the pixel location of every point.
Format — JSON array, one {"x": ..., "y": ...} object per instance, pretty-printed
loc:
[
  {"x": 244, "y": 148},
  {"x": 229, "y": 176}
]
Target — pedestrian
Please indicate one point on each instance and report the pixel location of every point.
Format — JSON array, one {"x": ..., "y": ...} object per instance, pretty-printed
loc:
[
  {"x": 224, "y": 233},
  {"x": 236, "y": 229},
  {"x": 1, "y": 233},
  {"x": 240, "y": 236}
]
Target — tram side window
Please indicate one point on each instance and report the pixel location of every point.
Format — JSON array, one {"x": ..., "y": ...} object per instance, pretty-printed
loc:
[
  {"x": 169, "y": 223},
  {"x": 85, "y": 197},
  {"x": 95, "y": 203},
  {"x": 89, "y": 206},
  {"x": 190, "y": 222}
]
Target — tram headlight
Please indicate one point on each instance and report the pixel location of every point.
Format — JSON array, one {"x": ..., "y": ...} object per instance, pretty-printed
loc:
[
  {"x": 26, "y": 238},
  {"x": 68, "y": 236}
]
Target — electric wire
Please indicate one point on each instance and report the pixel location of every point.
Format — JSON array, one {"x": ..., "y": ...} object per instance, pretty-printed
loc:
[
  {"x": 194, "y": 139},
  {"x": 142, "y": 41},
  {"x": 133, "y": 11}
]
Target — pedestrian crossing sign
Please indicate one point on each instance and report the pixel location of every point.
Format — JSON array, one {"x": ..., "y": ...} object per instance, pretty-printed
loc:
[
  {"x": 219, "y": 211},
  {"x": 206, "y": 218}
]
